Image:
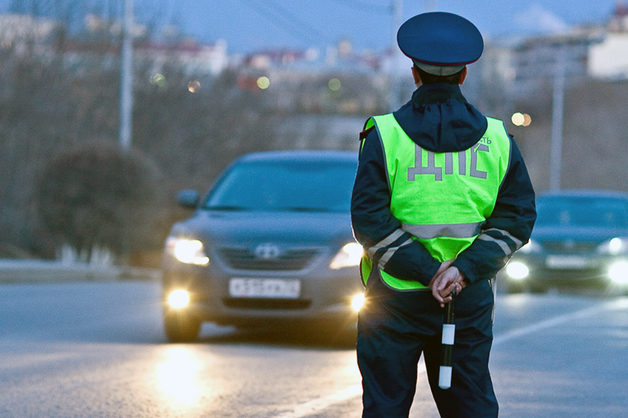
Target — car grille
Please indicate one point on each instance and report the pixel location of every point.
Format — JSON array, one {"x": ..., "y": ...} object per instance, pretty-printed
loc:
[
  {"x": 570, "y": 246},
  {"x": 245, "y": 259},
  {"x": 267, "y": 303}
]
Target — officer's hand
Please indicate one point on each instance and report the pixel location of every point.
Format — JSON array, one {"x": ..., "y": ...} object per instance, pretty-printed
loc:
[
  {"x": 444, "y": 283},
  {"x": 443, "y": 266}
]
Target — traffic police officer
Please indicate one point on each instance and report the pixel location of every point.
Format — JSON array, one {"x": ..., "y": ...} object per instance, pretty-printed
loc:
[{"x": 441, "y": 201}]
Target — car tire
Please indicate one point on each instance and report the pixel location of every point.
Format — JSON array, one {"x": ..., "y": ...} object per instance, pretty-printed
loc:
[{"x": 181, "y": 327}]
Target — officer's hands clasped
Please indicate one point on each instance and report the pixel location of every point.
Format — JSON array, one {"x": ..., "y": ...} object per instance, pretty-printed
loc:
[{"x": 446, "y": 279}]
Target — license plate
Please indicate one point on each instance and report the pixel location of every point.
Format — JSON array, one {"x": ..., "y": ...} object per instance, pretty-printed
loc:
[
  {"x": 567, "y": 262},
  {"x": 264, "y": 288}
]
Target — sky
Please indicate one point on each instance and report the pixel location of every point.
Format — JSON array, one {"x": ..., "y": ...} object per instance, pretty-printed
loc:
[{"x": 252, "y": 25}]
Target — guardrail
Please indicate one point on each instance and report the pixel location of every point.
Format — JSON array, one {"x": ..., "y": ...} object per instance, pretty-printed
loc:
[{"x": 34, "y": 271}]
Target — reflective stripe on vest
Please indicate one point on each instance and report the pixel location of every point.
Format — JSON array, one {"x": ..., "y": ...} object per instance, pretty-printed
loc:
[{"x": 441, "y": 199}]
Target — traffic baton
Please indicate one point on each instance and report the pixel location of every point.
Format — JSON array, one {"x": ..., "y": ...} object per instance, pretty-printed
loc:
[{"x": 449, "y": 331}]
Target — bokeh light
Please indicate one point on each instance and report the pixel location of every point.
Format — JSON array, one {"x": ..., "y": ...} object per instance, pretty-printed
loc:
[
  {"x": 334, "y": 84},
  {"x": 194, "y": 86},
  {"x": 521, "y": 119},
  {"x": 158, "y": 80},
  {"x": 263, "y": 82}
]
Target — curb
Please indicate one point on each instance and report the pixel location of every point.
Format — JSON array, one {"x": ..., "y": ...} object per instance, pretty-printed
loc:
[{"x": 42, "y": 271}]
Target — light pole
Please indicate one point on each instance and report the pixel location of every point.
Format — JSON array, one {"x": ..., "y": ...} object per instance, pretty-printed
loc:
[
  {"x": 557, "y": 120},
  {"x": 126, "y": 78},
  {"x": 395, "y": 59}
]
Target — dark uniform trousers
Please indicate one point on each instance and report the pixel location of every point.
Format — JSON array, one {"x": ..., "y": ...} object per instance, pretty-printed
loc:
[{"x": 396, "y": 327}]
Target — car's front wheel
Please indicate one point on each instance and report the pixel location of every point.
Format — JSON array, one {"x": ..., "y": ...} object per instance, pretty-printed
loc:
[{"x": 180, "y": 326}]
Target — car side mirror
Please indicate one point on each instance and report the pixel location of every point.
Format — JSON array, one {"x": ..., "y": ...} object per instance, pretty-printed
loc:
[{"x": 188, "y": 198}]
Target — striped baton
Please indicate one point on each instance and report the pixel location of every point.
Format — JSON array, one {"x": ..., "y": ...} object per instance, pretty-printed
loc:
[{"x": 449, "y": 330}]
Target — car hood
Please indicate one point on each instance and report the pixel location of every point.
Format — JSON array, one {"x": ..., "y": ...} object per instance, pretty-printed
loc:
[
  {"x": 242, "y": 227},
  {"x": 590, "y": 234}
]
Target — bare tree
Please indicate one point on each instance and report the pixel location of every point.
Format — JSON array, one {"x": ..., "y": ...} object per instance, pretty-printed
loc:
[
  {"x": 55, "y": 96},
  {"x": 193, "y": 136}
]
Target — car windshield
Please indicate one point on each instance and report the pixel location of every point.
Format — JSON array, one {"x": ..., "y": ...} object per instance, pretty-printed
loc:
[
  {"x": 582, "y": 211},
  {"x": 285, "y": 186}
]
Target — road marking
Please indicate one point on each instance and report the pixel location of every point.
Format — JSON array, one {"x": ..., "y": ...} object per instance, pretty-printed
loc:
[
  {"x": 317, "y": 405},
  {"x": 559, "y": 320}
]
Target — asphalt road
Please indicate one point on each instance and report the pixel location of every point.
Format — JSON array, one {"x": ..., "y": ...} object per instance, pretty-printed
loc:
[{"x": 96, "y": 349}]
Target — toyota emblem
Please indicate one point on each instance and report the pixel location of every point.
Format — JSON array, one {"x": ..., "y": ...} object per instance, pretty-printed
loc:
[{"x": 267, "y": 251}]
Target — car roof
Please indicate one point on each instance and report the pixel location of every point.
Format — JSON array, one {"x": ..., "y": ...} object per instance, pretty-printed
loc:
[
  {"x": 596, "y": 193},
  {"x": 301, "y": 155}
]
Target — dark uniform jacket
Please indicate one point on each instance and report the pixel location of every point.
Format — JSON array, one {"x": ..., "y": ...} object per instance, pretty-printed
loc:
[{"x": 439, "y": 119}]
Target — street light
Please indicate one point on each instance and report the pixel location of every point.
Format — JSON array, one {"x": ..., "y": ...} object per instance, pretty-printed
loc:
[
  {"x": 557, "y": 120},
  {"x": 126, "y": 82},
  {"x": 396, "y": 58},
  {"x": 521, "y": 119}
]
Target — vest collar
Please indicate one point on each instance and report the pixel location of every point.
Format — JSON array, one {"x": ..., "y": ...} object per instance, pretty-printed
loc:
[{"x": 437, "y": 93}]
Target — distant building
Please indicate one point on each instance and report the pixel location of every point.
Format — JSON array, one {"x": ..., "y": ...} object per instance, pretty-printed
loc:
[
  {"x": 307, "y": 81},
  {"x": 609, "y": 58},
  {"x": 535, "y": 60},
  {"x": 99, "y": 45},
  {"x": 527, "y": 64},
  {"x": 20, "y": 32},
  {"x": 192, "y": 57},
  {"x": 168, "y": 47},
  {"x": 340, "y": 57}
]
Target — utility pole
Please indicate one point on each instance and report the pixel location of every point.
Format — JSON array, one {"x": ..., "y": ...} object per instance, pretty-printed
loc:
[
  {"x": 395, "y": 59},
  {"x": 126, "y": 78},
  {"x": 557, "y": 120},
  {"x": 394, "y": 101}
]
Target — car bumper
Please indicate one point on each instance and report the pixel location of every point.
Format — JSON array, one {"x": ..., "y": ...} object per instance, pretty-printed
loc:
[
  {"x": 566, "y": 270},
  {"x": 324, "y": 294}
]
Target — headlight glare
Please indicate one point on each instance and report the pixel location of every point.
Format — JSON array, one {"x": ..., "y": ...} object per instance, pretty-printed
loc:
[
  {"x": 348, "y": 256},
  {"x": 179, "y": 298},
  {"x": 357, "y": 302},
  {"x": 517, "y": 270},
  {"x": 614, "y": 246},
  {"x": 187, "y": 251},
  {"x": 618, "y": 272}
]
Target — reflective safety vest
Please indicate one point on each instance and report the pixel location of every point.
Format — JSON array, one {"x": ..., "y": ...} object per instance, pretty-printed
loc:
[{"x": 441, "y": 198}]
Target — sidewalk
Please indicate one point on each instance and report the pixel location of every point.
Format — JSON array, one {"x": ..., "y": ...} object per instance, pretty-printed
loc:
[{"x": 34, "y": 271}]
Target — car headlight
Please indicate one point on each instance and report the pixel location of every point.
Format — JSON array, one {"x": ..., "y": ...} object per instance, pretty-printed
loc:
[
  {"x": 188, "y": 251},
  {"x": 179, "y": 298},
  {"x": 357, "y": 302},
  {"x": 531, "y": 247},
  {"x": 517, "y": 270},
  {"x": 618, "y": 272},
  {"x": 349, "y": 255},
  {"x": 614, "y": 246}
]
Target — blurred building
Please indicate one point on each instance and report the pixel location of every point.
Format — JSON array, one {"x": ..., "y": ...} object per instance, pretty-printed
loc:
[
  {"x": 98, "y": 45},
  {"x": 21, "y": 32},
  {"x": 541, "y": 58},
  {"x": 525, "y": 65},
  {"x": 609, "y": 58},
  {"x": 192, "y": 57},
  {"x": 336, "y": 81}
]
